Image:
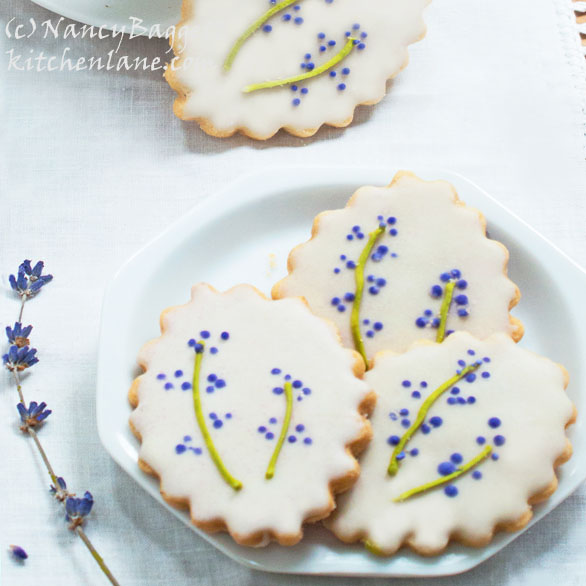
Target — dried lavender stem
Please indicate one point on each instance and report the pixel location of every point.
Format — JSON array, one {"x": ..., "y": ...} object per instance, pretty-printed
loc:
[{"x": 96, "y": 556}]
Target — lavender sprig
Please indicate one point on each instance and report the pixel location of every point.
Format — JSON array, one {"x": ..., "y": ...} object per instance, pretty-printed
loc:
[{"x": 20, "y": 356}]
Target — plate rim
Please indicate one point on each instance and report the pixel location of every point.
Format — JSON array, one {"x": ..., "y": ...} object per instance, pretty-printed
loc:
[{"x": 268, "y": 183}]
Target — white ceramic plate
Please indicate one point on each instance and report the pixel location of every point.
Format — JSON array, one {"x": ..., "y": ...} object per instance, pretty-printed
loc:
[
  {"x": 228, "y": 239},
  {"x": 110, "y": 13}
]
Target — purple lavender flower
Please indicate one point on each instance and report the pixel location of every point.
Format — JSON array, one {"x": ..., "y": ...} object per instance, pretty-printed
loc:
[
  {"x": 18, "y": 359},
  {"x": 18, "y": 553},
  {"x": 34, "y": 415},
  {"x": 29, "y": 280},
  {"x": 18, "y": 335},
  {"x": 78, "y": 509}
]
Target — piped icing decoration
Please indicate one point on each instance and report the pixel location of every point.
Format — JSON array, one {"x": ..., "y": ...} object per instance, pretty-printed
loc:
[
  {"x": 450, "y": 491},
  {"x": 359, "y": 276},
  {"x": 199, "y": 349},
  {"x": 449, "y": 291},
  {"x": 288, "y": 392},
  {"x": 312, "y": 72},
  {"x": 464, "y": 372},
  {"x": 486, "y": 449},
  {"x": 218, "y": 60},
  {"x": 255, "y": 26},
  {"x": 259, "y": 388},
  {"x": 405, "y": 270}
]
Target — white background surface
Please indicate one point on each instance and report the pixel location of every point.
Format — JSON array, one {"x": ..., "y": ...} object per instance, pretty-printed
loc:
[{"x": 95, "y": 165}]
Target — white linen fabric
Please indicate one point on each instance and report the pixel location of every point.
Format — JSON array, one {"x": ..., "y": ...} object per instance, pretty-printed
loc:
[{"x": 94, "y": 165}]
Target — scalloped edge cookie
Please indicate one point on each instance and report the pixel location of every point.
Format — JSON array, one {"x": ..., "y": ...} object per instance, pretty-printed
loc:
[
  {"x": 336, "y": 485},
  {"x": 187, "y": 8}
]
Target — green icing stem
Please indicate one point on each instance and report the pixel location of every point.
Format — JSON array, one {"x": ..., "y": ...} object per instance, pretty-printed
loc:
[
  {"x": 359, "y": 277},
  {"x": 289, "y": 396},
  {"x": 340, "y": 56},
  {"x": 421, "y": 415},
  {"x": 441, "y": 332},
  {"x": 235, "y": 484},
  {"x": 253, "y": 28},
  {"x": 445, "y": 479}
]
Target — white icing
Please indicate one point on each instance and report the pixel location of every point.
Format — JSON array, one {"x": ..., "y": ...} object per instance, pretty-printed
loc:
[
  {"x": 213, "y": 26},
  {"x": 524, "y": 390},
  {"x": 435, "y": 233},
  {"x": 263, "y": 335}
]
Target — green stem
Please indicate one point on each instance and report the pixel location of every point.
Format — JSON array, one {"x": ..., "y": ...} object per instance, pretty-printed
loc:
[
  {"x": 253, "y": 28},
  {"x": 235, "y": 484},
  {"x": 289, "y": 397},
  {"x": 445, "y": 479},
  {"x": 340, "y": 56},
  {"x": 100, "y": 561},
  {"x": 446, "y": 303},
  {"x": 359, "y": 278},
  {"x": 427, "y": 404}
]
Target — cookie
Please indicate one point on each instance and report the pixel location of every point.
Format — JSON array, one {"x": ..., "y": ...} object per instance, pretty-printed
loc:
[
  {"x": 250, "y": 413},
  {"x": 258, "y": 66},
  {"x": 401, "y": 263},
  {"x": 467, "y": 435}
]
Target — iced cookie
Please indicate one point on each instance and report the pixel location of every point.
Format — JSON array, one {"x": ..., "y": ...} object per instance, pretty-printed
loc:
[
  {"x": 256, "y": 66},
  {"x": 401, "y": 263},
  {"x": 250, "y": 413},
  {"x": 467, "y": 435}
]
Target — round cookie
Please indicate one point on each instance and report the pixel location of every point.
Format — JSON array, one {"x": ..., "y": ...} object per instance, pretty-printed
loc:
[
  {"x": 401, "y": 263},
  {"x": 466, "y": 438},
  {"x": 250, "y": 413},
  {"x": 261, "y": 65}
]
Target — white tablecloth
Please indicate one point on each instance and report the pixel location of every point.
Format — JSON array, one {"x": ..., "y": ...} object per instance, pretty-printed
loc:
[{"x": 95, "y": 165}]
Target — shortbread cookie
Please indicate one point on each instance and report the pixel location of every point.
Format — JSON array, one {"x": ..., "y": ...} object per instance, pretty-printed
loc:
[
  {"x": 466, "y": 438},
  {"x": 256, "y": 66},
  {"x": 250, "y": 413},
  {"x": 401, "y": 263}
]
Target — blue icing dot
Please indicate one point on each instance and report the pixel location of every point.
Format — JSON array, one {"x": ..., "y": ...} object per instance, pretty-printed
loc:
[
  {"x": 393, "y": 440},
  {"x": 455, "y": 391},
  {"x": 416, "y": 394},
  {"x": 180, "y": 448},
  {"x": 378, "y": 326},
  {"x": 213, "y": 350},
  {"x": 341, "y": 308},
  {"x": 461, "y": 363},
  {"x": 451, "y": 401},
  {"x": 292, "y": 439},
  {"x": 297, "y": 384},
  {"x": 210, "y": 389},
  {"x": 300, "y": 428},
  {"x": 494, "y": 422},
  {"x": 197, "y": 451},
  {"x": 187, "y": 438},
  {"x": 276, "y": 371},
  {"x": 414, "y": 452},
  {"x": 456, "y": 458},
  {"x": 495, "y": 457},
  {"x": 451, "y": 490},
  {"x": 370, "y": 334},
  {"x": 307, "y": 441},
  {"x": 262, "y": 429},
  {"x": 423, "y": 384},
  {"x": 204, "y": 334},
  {"x": 471, "y": 400},
  {"x": 477, "y": 475},
  {"x": 349, "y": 296},
  {"x": 436, "y": 291},
  {"x": 218, "y": 423},
  {"x": 306, "y": 391},
  {"x": 212, "y": 377},
  {"x": 480, "y": 440},
  {"x": 161, "y": 376},
  {"x": 420, "y": 322},
  {"x": 278, "y": 390},
  {"x": 404, "y": 412},
  {"x": 406, "y": 383},
  {"x": 499, "y": 440},
  {"x": 168, "y": 386},
  {"x": 186, "y": 386},
  {"x": 220, "y": 383},
  {"x": 213, "y": 415},
  {"x": 425, "y": 429},
  {"x": 486, "y": 374},
  {"x": 405, "y": 423},
  {"x": 225, "y": 335},
  {"x": 446, "y": 468},
  {"x": 471, "y": 352},
  {"x": 269, "y": 435},
  {"x": 436, "y": 421},
  {"x": 461, "y": 400},
  {"x": 470, "y": 377}
]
